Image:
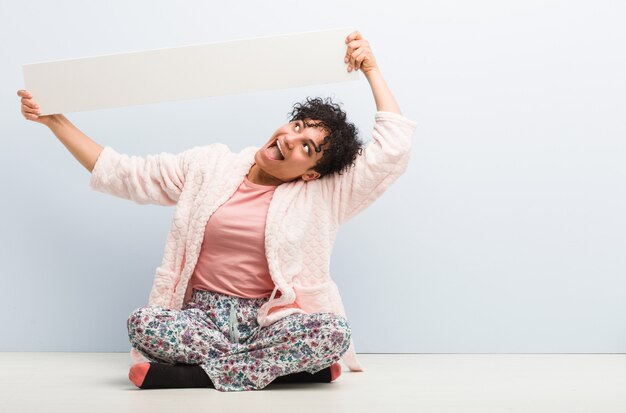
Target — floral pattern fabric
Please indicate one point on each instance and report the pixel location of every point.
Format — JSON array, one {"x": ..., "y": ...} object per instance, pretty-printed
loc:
[{"x": 220, "y": 333}]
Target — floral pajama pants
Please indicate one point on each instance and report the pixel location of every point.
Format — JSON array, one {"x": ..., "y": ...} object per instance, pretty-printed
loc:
[{"x": 221, "y": 334}]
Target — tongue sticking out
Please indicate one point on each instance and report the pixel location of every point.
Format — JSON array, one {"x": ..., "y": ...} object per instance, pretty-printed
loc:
[{"x": 274, "y": 153}]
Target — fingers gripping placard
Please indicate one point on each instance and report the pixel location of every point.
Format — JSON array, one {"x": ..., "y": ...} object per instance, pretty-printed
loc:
[{"x": 189, "y": 72}]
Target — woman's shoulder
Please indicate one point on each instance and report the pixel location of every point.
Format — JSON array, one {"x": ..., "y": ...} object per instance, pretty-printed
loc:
[
  {"x": 202, "y": 154},
  {"x": 212, "y": 149}
]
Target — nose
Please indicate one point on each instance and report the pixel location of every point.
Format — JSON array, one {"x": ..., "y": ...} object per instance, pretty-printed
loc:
[{"x": 288, "y": 142}]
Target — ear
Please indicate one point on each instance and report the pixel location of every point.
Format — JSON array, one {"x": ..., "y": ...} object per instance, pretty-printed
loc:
[{"x": 311, "y": 176}]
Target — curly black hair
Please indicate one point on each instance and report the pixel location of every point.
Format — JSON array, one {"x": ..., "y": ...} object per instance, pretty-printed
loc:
[{"x": 341, "y": 145}]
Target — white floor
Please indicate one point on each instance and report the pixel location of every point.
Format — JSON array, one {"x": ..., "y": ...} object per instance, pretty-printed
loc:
[{"x": 98, "y": 382}]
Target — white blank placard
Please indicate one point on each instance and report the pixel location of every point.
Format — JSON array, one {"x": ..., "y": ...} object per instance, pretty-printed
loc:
[{"x": 189, "y": 72}]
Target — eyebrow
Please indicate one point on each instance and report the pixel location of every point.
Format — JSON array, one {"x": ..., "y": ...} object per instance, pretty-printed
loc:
[{"x": 310, "y": 140}]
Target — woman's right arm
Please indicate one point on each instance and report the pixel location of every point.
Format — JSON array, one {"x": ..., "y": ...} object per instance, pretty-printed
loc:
[
  {"x": 154, "y": 179},
  {"x": 85, "y": 150}
]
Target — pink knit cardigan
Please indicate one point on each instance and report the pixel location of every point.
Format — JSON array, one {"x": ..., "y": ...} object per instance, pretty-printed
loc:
[{"x": 302, "y": 220}]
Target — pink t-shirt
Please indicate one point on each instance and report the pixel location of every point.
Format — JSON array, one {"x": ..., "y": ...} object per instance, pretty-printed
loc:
[{"x": 232, "y": 257}]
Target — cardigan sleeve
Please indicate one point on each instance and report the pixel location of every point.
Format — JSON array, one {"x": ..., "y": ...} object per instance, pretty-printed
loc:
[
  {"x": 382, "y": 161},
  {"x": 154, "y": 179}
]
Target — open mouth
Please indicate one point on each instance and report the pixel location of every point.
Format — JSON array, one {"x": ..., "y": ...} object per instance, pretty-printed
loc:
[{"x": 274, "y": 152}]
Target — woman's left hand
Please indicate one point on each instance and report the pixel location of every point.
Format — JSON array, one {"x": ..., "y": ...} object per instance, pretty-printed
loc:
[{"x": 359, "y": 54}]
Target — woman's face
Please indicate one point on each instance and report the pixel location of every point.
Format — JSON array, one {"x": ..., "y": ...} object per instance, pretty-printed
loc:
[{"x": 297, "y": 141}]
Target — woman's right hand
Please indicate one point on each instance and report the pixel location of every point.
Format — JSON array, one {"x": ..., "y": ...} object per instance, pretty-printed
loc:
[{"x": 30, "y": 109}]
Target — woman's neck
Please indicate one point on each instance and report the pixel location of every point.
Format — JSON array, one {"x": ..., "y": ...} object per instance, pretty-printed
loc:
[{"x": 257, "y": 176}]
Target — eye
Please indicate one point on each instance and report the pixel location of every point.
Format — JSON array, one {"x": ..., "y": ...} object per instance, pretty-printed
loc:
[
  {"x": 298, "y": 125},
  {"x": 308, "y": 148}
]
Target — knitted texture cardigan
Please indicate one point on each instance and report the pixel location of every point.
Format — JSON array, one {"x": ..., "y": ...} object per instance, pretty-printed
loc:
[{"x": 301, "y": 225}]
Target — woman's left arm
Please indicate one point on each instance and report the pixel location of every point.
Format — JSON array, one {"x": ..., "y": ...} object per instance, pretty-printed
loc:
[
  {"x": 386, "y": 157},
  {"x": 359, "y": 56}
]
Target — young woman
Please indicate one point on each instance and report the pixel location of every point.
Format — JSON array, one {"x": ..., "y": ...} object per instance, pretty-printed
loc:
[{"x": 243, "y": 296}]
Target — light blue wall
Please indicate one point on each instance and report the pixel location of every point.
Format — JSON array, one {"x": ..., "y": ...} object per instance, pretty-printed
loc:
[{"x": 506, "y": 234}]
